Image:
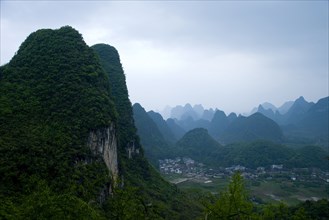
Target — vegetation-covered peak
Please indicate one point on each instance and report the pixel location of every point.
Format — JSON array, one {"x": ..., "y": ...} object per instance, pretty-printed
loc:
[
  {"x": 199, "y": 131},
  {"x": 53, "y": 92},
  {"x": 197, "y": 144},
  {"x": 63, "y": 40},
  {"x": 199, "y": 138},
  {"x": 107, "y": 50},
  {"x": 110, "y": 61}
]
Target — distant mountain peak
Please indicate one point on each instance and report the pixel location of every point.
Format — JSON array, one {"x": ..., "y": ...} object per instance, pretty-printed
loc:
[
  {"x": 197, "y": 144},
  {"x": 188, "y": 105},
  {"x": 300, "y": 99},
  {"x": 197, "y": 106},
  {"x": 137, "y": 105},
  {"x": 267, "y": 105},
  {"x": 284, "y": 108},
  {"x": 260, "y": 108}
]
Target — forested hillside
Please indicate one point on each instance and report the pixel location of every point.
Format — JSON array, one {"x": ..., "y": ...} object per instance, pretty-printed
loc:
[
  {"x": 145, "y": 194},
  {"x": 199, "y": 145},
  {"x": 155, "y": 146},
  {"x": 53, "y": 93},
  {"x": 68, "y": 142}
]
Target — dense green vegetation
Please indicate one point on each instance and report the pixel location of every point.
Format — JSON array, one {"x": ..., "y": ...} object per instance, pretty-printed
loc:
[
  {"x": 52, "y": 93},
  {"x": 154, "y": 144},
  {"x": 110, "y": 61},
  {"x": 145, "y": 194},
  {"x": 256, "y": 154},
  {"x": 310, "y": 156},
  {"x": 199, "y": 145},
  {"x": 264, "y": 153},
  {"x": 232, "y": 203}
]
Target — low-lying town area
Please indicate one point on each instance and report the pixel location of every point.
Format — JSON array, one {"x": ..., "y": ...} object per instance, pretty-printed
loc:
[{"x": 190, "y": 169}]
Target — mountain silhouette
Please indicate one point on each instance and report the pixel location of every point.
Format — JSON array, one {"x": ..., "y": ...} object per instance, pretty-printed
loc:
[
  {"x": 198, "y": 145},
  {"x": 254, "y": 127}
]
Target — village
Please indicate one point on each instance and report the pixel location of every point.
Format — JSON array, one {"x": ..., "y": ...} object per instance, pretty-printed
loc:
[{"x": 188, "y": 169}]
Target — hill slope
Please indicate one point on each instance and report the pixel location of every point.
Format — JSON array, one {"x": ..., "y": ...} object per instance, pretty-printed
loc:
[
  {"x": 251, "y": 128},
  {"x": 151, "y": 138},
  {"x": 163, "y": 127},
  {"x": 167, "y": 201},
  {"x": 66, "y": 121},
  {"x": 198, "y": 145},
  {"x": 55, "y": 106},
  {"x": 315, "y": 120}
]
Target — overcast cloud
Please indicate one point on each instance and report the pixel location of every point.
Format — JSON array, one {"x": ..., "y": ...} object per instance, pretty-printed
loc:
[{"x": 229, "y": 55}]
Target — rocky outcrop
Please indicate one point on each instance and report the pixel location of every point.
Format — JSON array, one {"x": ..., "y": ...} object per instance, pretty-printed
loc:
[
  {"x": 131, "y": 149},
  {"x": 103, "y": 142}
]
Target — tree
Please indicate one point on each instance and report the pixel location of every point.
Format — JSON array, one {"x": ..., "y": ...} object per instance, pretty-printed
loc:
[
  {"x": 43, "y": 203},
  {"x": 275, "y": 211},
  {"x": 126, "y": 204},
  {"x": 232, "y": 203}
]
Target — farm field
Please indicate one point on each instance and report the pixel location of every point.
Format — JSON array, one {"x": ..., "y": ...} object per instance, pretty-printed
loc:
[{"x": 261, "y": 191}]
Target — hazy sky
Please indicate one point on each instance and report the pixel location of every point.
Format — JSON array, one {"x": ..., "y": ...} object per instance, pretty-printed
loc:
[{"x": 230, "y": 55}]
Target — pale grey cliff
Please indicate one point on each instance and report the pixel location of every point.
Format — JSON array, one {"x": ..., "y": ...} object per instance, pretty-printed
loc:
[
  {"x": 131, "y": 149},
  {"x": 103, "y": 142}
]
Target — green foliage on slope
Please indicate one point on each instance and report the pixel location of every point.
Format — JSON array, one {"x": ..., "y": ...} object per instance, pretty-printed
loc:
[
  {"x": 310, "y": 156},
  {"x": 265, "y": 153},
  {"x": 198, "y": 145},
  {"x": 43, "y": 203},
  {"x": 257, "y": 153},
  {"x": 152, "y": 140},
  {"x": 145, "y": 194},
  {"x": 52, "y": 93},
  {"x": 233, "y": 203},
  {"x": 110, "y": 62}
]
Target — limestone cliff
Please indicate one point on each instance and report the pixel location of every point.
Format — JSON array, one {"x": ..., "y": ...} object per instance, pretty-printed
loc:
[
  {"x": 131, "y": 149},
  {"x": 103, "y": 142}
]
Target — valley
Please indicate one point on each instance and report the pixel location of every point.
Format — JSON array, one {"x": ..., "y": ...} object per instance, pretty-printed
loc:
[
  {"x": 270, "y": 184},
  {"x": 282, "y": 157}
]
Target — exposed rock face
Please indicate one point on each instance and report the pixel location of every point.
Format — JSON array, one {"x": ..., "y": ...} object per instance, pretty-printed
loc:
[
  {"x": 131, "y": 149},
  {"x": 103, "y": 142}
]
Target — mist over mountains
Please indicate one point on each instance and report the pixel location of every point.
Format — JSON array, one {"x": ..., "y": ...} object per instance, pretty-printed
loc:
[
  {"x": 183, "y": 112},
  {"x": 294, "y": 119},
  {"x": 208, "y": 134}
]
